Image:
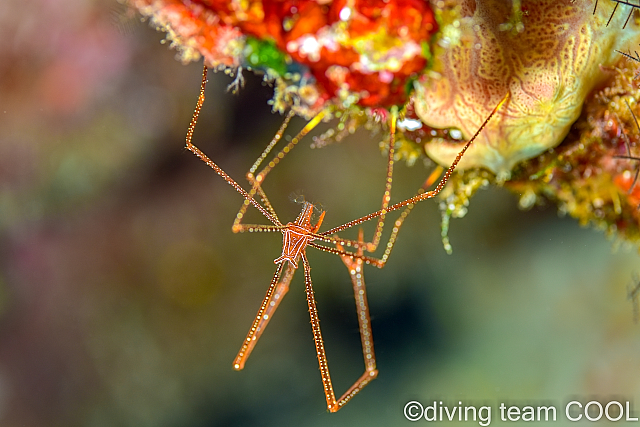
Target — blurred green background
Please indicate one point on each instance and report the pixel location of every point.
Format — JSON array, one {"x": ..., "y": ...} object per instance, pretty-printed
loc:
[{"x": 124, "y": 295}]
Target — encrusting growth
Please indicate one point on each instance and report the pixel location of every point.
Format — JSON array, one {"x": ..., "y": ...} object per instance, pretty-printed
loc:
[{"x": 443, "y": 65}]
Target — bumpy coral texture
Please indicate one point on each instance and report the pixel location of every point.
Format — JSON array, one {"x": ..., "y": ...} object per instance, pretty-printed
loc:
[
  {"x": 549, "y": 55},
  {"x": 359, "y": 51},
  {"x": 194, "y": 31},
  {"x": 552, "y": 56},
  {"x": 588, "y": 175}
]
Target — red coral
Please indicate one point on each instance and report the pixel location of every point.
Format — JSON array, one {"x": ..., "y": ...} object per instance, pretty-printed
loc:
[{"x": 368, "y": 47}]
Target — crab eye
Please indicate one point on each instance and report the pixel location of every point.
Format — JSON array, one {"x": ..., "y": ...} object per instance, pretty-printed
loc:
[{"x": 297, "y": 197}]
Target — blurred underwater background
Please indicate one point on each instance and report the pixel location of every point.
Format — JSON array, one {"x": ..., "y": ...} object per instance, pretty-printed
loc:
[{"x": 124, "y": 295}]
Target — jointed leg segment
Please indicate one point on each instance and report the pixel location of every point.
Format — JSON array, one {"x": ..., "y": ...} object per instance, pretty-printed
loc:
[
  {"x": 364, "y": 321},
  {"x": 260, "y": 321}
]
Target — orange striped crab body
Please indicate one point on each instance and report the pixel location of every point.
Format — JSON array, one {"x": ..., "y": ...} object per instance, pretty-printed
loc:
[{"x": 297, "y": 235}]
